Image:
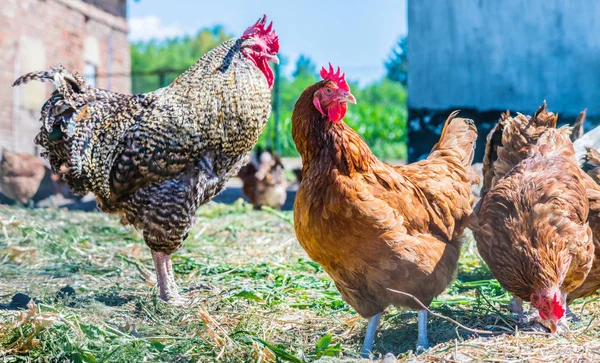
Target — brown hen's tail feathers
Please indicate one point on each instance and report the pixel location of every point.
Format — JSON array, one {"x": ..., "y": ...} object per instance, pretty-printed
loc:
[
  {"x": 459, "y": 135},
  {"x": 519, "y": 135},
  {"x": 578, "y": 128},
  {"x": 556, "y": 141}
]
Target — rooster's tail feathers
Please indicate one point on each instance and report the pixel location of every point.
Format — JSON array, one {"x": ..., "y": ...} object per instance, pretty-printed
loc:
[
  {"x": 458, "y": 135},
  {"x": 41, "y": 76},
  {"x": 71, "y": 86},
  {"x": 57, "y": 75}
]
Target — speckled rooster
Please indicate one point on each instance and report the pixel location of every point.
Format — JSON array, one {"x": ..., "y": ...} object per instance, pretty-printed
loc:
[{"x": 154, "y": 158}]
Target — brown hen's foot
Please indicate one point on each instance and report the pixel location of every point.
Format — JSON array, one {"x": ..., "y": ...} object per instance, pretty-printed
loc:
[{"x": 166, "y": 279}]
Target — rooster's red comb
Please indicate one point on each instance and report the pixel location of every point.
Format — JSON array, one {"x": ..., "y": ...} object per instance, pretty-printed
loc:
[
  {"x": 338, "y": 77},
  {"x": 267, "y": 34}
]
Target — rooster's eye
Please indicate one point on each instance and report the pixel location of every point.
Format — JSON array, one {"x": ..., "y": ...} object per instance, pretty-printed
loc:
[{"x": 328, "y": 91}]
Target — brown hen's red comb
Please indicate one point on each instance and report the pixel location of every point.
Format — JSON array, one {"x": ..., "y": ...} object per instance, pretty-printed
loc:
[
  {"x": 267, "y": 34},
  {"x": 338, "y": 77}
]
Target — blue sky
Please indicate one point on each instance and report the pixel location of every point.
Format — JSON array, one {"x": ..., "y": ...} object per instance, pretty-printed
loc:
[{"x": 356, "y": 35}]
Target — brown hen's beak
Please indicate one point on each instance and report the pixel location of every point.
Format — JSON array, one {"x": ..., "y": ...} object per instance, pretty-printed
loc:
[
  {"x": 552, "y": 327},
  {"x": 347, "y": 97}
]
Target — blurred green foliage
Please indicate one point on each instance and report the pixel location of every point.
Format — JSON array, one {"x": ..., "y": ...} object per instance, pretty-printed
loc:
[
  {"x": 397, "y": 63},
  {"x": 379, "y": 117}
]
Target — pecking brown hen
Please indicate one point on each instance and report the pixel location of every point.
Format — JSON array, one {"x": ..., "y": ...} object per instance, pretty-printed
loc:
[
  {"x": 373, "y": 226},
  {"x": 154, "y": 158},
  {"x": 533, "y": 227},
  {"x": 264, "y": 182},
  {"x": 516, "y": 144}
]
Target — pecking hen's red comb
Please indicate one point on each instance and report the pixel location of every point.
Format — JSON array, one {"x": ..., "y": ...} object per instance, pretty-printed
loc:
[
  {"x": 267, "y": 34},
  {"x": 338, "y": 77}
]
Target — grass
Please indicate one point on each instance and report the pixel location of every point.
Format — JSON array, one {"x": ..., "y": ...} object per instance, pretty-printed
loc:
[{"x": 257, "y": 297}]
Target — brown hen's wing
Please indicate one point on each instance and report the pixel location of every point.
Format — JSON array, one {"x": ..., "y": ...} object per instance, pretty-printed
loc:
[
  {"x": 532, "y": 227},
  {"x": 592, "y": 283}
]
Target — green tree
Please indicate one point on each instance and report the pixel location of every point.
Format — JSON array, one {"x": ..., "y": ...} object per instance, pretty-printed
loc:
[
  {"x": 397, "y": 63},
  {"x": 305, "y": 66}
]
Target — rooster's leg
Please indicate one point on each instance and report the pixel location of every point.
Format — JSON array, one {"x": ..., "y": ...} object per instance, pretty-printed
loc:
[
  {"x": 166, "y": 279},
  {"x": 422, "y": 342},
  {"x": 367, "y": 347}
]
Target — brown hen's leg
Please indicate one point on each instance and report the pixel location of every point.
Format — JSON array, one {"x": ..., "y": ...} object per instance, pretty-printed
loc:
[
  {"x": 571, "y": 315},
  {"x": 516, "y": 306},
  {"x": 367, "y": 347},
  {"x": 166, "y": 279},
  {"x": 422, "y": 341}
]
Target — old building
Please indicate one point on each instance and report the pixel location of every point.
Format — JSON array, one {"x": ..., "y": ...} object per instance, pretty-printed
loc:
[
  {"x": 485, "y": 56},
  {"x": 87, "y": 36}
]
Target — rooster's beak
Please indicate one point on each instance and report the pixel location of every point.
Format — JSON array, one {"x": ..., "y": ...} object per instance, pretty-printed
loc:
[
  {"x": 272, "y": 58},
  {"x": 347, "y": 97}
]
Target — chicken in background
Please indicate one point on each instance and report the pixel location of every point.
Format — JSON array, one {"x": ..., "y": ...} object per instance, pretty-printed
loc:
[
  {"x": 154, "y": 158},
  {"x": 591, "y": 164},
  {"x": 533, "y": 229},
  {"x": 298, "y": 174},
  {"x": 264, "y": 182},
  {"x": 21, "y": 176},
  {"x": 375, "y": 227}
]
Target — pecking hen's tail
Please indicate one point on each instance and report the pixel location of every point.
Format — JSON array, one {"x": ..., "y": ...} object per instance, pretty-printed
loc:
[
  {"x": 511, "y": 141},
  {"x": 458, "y": 137},
  {"x": 556, "y": 141},
  {"x": 578, "y": 128}
]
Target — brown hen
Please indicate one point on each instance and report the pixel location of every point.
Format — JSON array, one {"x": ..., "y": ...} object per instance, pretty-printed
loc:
[
  {"x": 533, "y": 227},
  {"x": 264, "y": 182},
  {"x": 373, "y": 226},
  {"x": 515, "y": 144}
]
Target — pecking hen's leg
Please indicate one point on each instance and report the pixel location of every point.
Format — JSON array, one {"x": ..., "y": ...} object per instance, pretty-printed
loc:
[
  {"x": 571, "y": 315},
  {"x": 422, "y": 341},
  {"x": 516, "y": 306},
  {"x": 367, "y": 347},
  {"x": 166, "y": 278}
]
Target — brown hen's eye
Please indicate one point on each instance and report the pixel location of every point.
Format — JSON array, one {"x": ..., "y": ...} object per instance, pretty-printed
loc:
[{"x": 328, "y": 91}]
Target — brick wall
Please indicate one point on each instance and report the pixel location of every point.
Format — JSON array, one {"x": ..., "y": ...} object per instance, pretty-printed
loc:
[{"x": 37, "y": 34}]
